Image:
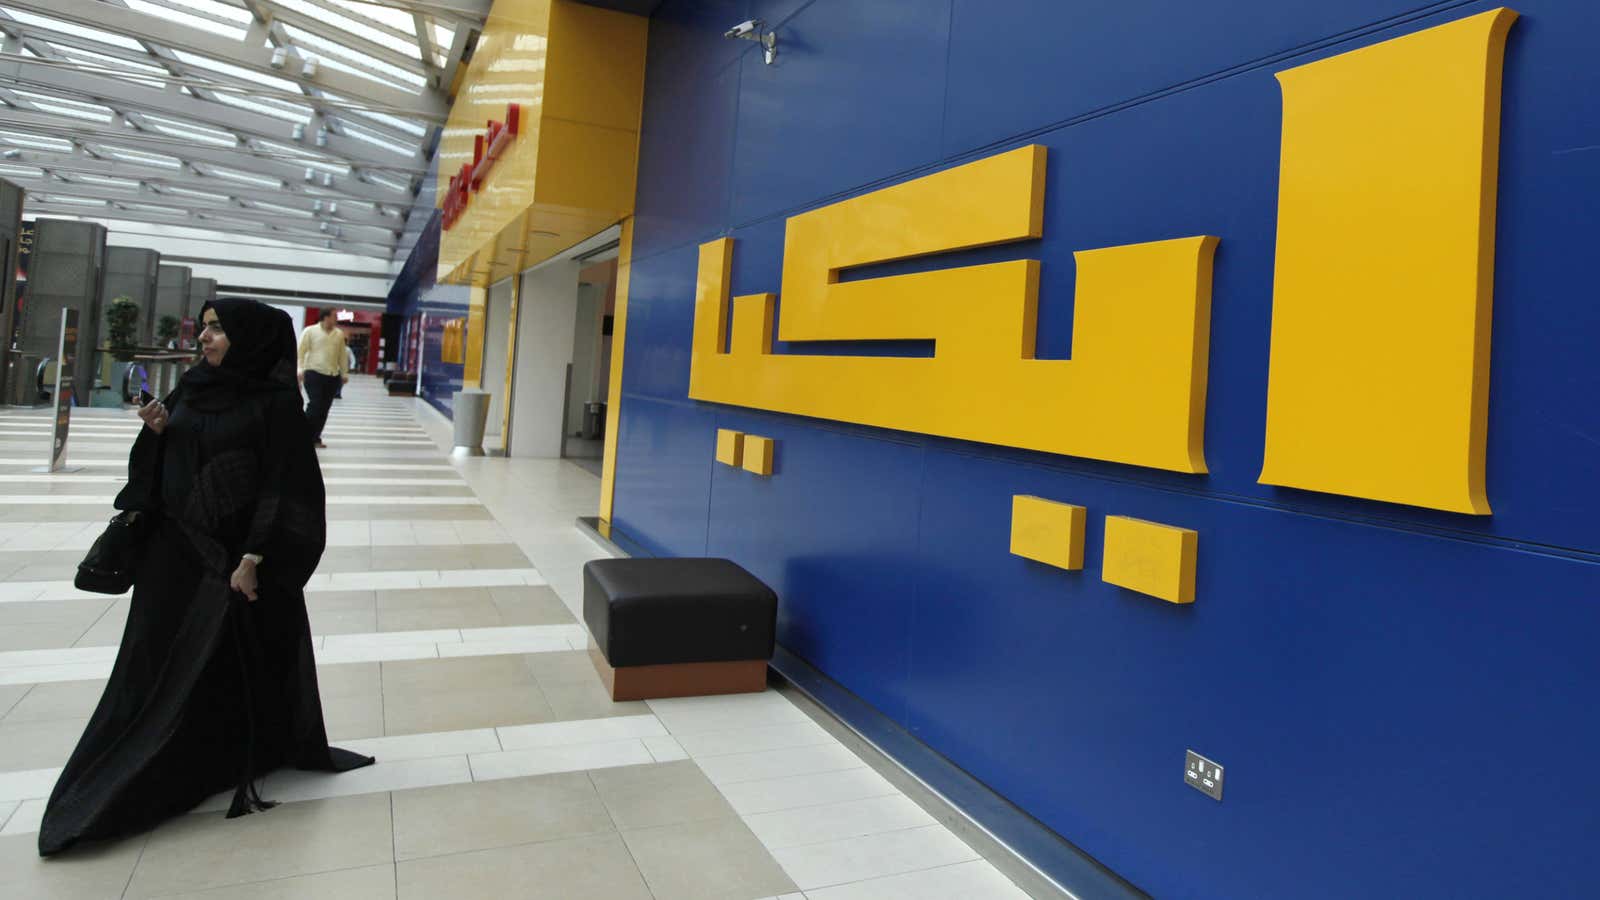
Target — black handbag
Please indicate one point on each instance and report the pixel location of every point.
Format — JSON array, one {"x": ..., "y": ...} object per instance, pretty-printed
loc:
[{"x": 108, "y": 567}]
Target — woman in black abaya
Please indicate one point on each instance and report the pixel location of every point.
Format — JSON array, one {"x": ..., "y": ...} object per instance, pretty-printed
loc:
[{"x": 215, "y": 684}]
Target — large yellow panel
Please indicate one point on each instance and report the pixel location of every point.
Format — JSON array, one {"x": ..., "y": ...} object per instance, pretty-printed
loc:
[
  {"x": 577, "y": 73},
  {"x": 619, "y": 343},
  {"x": 1379, "y": 377},
  {"x": 1133, "y": 391},
  {"x": 472, "y": 365},
  {"x": 730, "y": 447},
  {"x": 1047, "y": 531},
  {"x": 1150, "y": 558}
]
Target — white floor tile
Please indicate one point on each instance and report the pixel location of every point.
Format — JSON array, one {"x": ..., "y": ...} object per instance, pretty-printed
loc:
[
  {"x": 385, "y": 638},
  {"x": 692, "y": 715},
  {"x": 481, "y": 578},
  {"x": 975, "y": 880},
  {"x": 26, "y": 818},
  {"x": 505, "y": 646},
  {"x": 28, "y": 784},
  {"x": 49, "y": 674},
  {"x": 738, "y": 767},
  {"x": 6, "y": 809},
  {"x": 399, "y": 775},
  {"x": 373, "y": 653},
  {"x": 664, "y": 749},
  {"x": 426, "y": 746},
  {"x": 515, "y": 632},
  {"x": 373, "y": 581},
  {"x": 580, "y": 731},
  {"x": 545, "y": 760},
  {"x": 59, "y": 657},
  {"x": 751, "y": 740},
  {"x": 837, "y": 821},
  {"x": 873, "y": 856},
  {"x": 772, "y": 794}
]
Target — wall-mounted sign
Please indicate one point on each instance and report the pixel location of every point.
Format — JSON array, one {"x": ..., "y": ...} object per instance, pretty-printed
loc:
[
  {"x": 487, "y": 148},
  {"x": 1378, "y": 382}
]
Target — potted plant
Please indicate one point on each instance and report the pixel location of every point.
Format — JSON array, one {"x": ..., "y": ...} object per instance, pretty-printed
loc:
[
  {"x": 167, "y": 330},
  {"x": 122, "y": 322}
]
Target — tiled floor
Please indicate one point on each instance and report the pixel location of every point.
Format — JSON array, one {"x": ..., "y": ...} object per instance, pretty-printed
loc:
[{"x": 448, "y": 647}]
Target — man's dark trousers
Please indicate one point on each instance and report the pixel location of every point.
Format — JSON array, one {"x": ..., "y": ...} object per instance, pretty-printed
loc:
[{"x": 319, "y": 398}]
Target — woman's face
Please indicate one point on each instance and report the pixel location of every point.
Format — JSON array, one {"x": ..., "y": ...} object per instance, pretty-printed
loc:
[{"x": 213, "y": 340}]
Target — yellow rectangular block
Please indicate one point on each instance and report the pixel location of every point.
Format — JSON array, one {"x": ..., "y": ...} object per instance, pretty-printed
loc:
[
  {"x": 1150, "y": 558},
  {"x": 730, "y": 447},
  {"x": 1378, "y": 385},
  {"x": 758, "y": 454},
  {"x": 1047, "y": 531}
]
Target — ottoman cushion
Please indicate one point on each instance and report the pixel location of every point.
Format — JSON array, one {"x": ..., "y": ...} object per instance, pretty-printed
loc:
[{"x": 645, "y": 612}]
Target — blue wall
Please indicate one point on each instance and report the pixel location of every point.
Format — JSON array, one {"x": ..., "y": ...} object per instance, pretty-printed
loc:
[{"x": 1402, "y": 698}]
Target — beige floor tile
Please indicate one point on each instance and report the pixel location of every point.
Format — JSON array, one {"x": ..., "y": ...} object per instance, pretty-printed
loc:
[
  {"x": 10, "y": 695},
  {"x": 348, "y": 679},
  {"x": 204, "y": 850},
  {"x": 718, "y": 859},
  {"x": 343, "y": 621},
  {"x": 415, "y": 712},
  {"x": 38, "y": 745},
  {"x": 39, "y": 636},
  {"x": 589, "y": 701},
  {"x": 369, "y": 883},
  {"x": 597, "y": 867},
  {"x": 561, "y": 668},
  {"x": 662, "y": 794},
  {"x": 341, "y": 600},
  {"x": 455, "y": 674},
  {"x": 93, "y": 872},
  {"x": 389, "y": 558},
  {"x": 482, "y": 613},
  {"x": 428, "y": 598},
  {"x": 462, "y": 817},
  {"x": 492, "y": 556},
  {"x": 353, "y": 716},
  {"x": 529, "y": 605},
  {"x": 107, "y": 631},
  {"x": 345, "y": 559},
  {"x": 59, "y": 700}
]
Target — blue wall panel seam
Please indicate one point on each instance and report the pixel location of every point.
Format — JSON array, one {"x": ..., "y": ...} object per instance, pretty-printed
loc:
[
  {"x": 1101, "y": 112},
  {"x": 923, "y": 441}
]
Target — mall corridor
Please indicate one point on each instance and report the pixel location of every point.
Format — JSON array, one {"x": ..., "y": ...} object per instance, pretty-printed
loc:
[{"x": 443, "y": 618}]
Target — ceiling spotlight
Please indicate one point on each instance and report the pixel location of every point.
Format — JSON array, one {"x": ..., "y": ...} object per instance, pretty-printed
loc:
[
  {"x": 327, "y": 180},
  {"x": 299, "y": 132},
  {"x": 11, "y": 154},
  {"x": 322, "y": 137},
  {"x": 311, "y": 174},
  {"x": 309, "y": 70},
  {"x": 327, "y": 245},
  {"x": 333, "y": 208},
  {"x": 751, "y": 30},
  {"x": 317, "y": 206},
  {"x": 323, "y": 227},
  {"x": 279, "y": 57}
]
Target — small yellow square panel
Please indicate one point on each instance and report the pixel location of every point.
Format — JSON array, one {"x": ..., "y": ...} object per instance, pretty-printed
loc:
[
  {"x": 1150, "y": 558},
  {"x": 1047, "y": 531},
  {"x": 730, "y": 447},
  {"x": 758, "y": 454}
]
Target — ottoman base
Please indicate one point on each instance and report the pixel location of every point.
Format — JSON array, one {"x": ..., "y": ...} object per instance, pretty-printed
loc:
[{"x": 746, "y": 676}]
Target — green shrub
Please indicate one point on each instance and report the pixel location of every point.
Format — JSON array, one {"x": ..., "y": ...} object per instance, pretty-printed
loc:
[
  {"x": 122, "y": 323},
  {"x": 167, "y": 329}
]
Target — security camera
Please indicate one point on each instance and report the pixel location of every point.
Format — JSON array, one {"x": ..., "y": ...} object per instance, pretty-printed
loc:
[{"x": 751, "y": 30}]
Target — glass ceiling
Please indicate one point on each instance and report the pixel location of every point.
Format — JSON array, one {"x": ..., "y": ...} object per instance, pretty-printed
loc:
[{"x": 309, "y": 121}]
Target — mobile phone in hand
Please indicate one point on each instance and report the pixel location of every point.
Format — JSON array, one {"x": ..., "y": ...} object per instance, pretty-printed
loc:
[{"x": 146, "y": 398}]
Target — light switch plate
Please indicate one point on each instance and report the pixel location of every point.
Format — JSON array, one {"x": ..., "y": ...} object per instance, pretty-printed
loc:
[{"x": 1203, "y": 775}]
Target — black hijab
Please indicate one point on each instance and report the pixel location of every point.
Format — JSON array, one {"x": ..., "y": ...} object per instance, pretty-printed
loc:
[{"x": 260, "y": 357}]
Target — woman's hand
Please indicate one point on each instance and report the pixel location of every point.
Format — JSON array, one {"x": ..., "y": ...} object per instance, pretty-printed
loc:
[
  {"x": 154, "y": 416},
  {"x": 244, "y": 579}
]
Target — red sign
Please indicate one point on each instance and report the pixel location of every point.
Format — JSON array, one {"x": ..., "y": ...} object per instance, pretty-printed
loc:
[{"x": 486, "y": 150}]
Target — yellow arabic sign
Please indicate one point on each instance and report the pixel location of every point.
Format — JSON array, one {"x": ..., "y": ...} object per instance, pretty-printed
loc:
[{"x": 1385, "y": 254}]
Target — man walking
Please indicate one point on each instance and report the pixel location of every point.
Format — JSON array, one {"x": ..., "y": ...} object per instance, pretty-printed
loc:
[{"x": 322, "y": 369}]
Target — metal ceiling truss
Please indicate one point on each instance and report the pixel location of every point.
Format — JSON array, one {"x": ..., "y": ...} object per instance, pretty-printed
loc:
[{"x": 326, "y": 113}]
